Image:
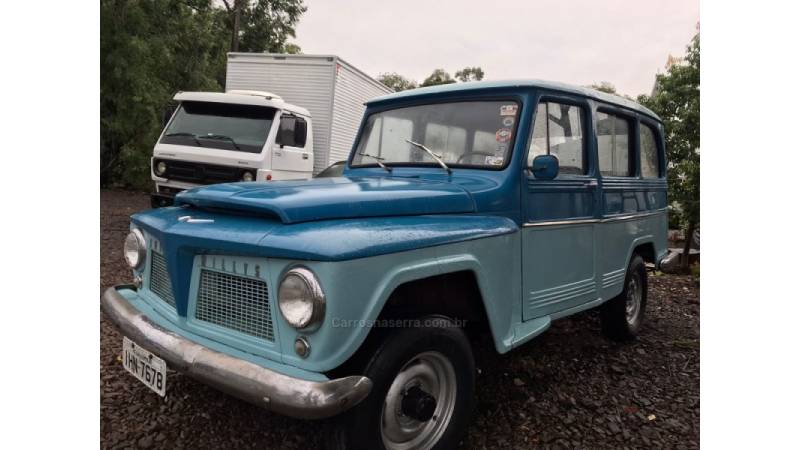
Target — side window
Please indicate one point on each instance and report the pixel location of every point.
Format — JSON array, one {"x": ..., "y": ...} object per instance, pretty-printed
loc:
[
  {"x": 614, "y": 145},
  {"x": 292, "y": 132},
  {"x": 558, "y": 131},
  {"x": 649, "y": 151}
]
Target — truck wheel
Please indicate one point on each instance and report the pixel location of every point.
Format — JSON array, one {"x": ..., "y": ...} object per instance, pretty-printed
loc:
[
  {"x": 623, "y": 315},
  {"x": 422, "y": 394}
]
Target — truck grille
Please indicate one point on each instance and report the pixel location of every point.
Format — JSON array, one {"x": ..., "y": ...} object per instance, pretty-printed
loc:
[
  {"x": 234, "y": 302},
  {"x": 159, "y": 278},
  {"x": 201, "y": 173}
]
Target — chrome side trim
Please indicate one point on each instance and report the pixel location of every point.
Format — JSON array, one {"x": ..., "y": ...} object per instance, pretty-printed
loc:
[
  {"x": 553, "y": 223},
  {"x": 275, "y": 391}
]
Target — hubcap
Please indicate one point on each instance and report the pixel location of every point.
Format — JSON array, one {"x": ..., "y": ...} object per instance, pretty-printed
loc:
[
  {"x": 634, "y": 300},
  {"x": 420, "y": 403}
]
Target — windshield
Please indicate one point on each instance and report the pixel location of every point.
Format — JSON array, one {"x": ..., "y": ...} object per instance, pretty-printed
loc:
[
  {"x": 470, "y": 134},
  {"x": 220, "y": 125}
]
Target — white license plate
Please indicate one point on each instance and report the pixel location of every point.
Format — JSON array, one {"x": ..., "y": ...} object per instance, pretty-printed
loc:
[{"x": 147, "y": 367}]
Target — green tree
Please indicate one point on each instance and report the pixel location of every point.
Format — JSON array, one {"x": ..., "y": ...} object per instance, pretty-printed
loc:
[
  {"x": 470, "y": 74},
  {"x": 263, "y": 25},
  {"x": 396, "y": 81},
  {"x": 604, "y": 86},
  {"x": 676, "y": 99},
  {"x": 150, "y": 49},
  {"x": 439, "y": 76}
]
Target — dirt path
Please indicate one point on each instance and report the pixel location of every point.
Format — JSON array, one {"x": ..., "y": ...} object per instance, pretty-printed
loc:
[{"x": 569, "y": 388}]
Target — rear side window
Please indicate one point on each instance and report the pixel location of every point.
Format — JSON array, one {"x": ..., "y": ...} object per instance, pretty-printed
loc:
[
  {"x": 292, "y": 131},
  {"x": 614, "y": 145},
  {"x": 558, "y": 131},
  {"x": 649, "y": 151}
]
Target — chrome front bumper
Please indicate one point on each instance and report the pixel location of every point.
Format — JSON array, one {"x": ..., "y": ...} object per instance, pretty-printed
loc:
[{"x": 275, "y": 391}]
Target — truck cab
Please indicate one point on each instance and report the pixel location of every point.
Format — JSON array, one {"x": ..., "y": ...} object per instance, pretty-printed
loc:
[{"x": 239, "y": 135}]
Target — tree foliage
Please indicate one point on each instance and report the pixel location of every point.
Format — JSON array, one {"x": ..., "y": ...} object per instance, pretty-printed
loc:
[
  {"x": 264, "y": 25},
  {"x": 439, "y": 76},
  {"x": 396, "y": 81},
  {"x": 470, "y": 74},
  {"x": 150, "y": 49},
  {"x": 604, "y": 86},
  {"x": 676, "y": 99}
]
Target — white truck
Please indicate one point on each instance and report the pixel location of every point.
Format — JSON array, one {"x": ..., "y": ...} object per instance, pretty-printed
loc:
[{"x": 280, "y": 117}]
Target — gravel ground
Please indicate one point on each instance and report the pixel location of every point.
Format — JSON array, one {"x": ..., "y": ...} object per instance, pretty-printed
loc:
[{"x": 569, "y": 388}]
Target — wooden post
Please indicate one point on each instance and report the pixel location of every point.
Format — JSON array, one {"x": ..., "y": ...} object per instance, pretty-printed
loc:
[{"x": 687, "y": 246}]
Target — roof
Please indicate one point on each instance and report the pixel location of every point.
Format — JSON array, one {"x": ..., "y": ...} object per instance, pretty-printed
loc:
[
  {"x": 257, "y": 98},
  {"x": 301, "y": 56},
  {"x": 511, "y": 84}
]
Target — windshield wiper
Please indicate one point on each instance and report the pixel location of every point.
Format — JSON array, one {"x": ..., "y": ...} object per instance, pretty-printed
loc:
[
  {"x": 378, "y": 160},
  {"x": 433, "y": 155},
  {"x": 184, "y": 134},
  {"x": 221, "y": 137}
]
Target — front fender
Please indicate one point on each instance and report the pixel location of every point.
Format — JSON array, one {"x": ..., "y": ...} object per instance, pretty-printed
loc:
[{"x": 357, "y": 291}]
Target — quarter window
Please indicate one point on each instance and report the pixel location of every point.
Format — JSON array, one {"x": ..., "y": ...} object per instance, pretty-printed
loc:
[
  {"x": 649, "y": 151},
  {"x": 614, "y": 145},
  {"x": 558, "y": 131}
]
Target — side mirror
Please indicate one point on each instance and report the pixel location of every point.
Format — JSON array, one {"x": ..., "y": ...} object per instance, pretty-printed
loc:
[
  {"x": 300, "y": 131},
  {"x": 286, "y": 131},
  {"x": 545, "y": 167},
  {"x": 286, "y": 137}
]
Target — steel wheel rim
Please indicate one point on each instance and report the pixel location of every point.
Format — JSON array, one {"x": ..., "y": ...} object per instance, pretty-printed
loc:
[
  {"x": 633, "y": 302},
  {"x": 434, "y": 373}
]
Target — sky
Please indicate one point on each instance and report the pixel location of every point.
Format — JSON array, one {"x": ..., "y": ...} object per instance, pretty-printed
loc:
[{"x": 624, "y": 42}]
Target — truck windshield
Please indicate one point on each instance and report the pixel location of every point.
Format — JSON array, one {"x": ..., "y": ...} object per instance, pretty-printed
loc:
[
  {"x": 220, "y": 126},
  {"x": 463, "y": 134}
]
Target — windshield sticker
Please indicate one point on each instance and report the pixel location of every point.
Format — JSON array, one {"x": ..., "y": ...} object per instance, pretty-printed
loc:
[
  {"x": 494, "y": 160},
  {"x": 501, "y": 150},
  {"x": 503, "y": 135},
  {"x": 508, "y": 121},
  {"x": 508, "y": 110}
]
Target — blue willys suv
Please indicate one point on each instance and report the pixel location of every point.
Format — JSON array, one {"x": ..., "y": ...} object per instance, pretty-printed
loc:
[{"x": 499, "y": 206}]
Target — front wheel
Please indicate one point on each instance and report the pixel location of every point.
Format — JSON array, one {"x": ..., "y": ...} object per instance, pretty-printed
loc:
[
  {"x": 623, "y": 315},
  {"x": 422, "y": 394}
]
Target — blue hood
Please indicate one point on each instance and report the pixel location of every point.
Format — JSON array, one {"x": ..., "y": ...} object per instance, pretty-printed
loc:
[{"x": 332, "y": 198}]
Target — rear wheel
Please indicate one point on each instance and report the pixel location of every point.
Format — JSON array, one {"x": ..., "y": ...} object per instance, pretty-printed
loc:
[
  {"x": 623, "y": 315},
  {"x": 422, "y": 393}
]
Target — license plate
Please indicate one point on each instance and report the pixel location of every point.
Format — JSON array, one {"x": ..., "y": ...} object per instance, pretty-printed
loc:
[{"x": 147, "y": 367}]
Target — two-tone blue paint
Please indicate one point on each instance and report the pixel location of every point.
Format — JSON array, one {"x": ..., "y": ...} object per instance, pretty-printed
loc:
[{"x": 539, "y": 249}]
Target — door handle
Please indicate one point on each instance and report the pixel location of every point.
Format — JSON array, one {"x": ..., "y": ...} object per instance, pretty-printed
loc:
[
  {"x": 305, "y": 155},
  {"x": 591, "y": 184}
]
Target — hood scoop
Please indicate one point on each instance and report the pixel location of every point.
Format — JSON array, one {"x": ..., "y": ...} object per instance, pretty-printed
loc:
[{"x": 331, "y": 198}]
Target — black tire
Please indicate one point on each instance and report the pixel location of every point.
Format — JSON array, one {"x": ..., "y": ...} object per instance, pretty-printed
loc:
[
  {"x": 360, "y": 428},
  {"x": 616, "y": 321}
]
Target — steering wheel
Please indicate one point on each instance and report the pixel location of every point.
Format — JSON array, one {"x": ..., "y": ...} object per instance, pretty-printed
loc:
[{"x": 465, "y": 155}]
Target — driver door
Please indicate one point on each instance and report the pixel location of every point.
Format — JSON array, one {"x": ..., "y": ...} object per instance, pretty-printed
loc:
[
  {"x": 558, "y": 238},
  {"x": 291, "y": 151}
]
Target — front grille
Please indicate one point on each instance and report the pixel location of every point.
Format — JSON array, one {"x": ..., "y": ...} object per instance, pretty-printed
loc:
[
  {"x": 159, "y": 278},
  {"x": 235, "y": 302},
  {"x": 201, "y": 173}
]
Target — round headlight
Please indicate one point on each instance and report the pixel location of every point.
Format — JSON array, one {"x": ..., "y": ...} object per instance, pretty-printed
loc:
[
  {"x": 134, "y": 249},
  {"x": 248, "y": 176},
  {"x": 161, "y": 168},
  {"x": 300, "y": 298}
]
